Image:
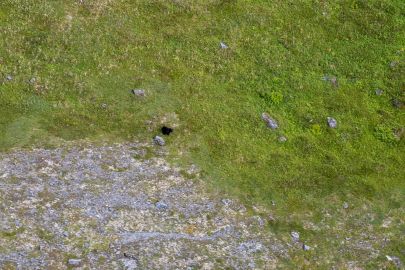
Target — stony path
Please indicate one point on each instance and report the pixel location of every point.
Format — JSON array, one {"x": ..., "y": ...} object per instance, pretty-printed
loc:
[{"x": 108, "y": 207}]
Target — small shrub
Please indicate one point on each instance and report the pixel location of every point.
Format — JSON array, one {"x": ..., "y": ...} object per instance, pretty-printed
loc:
[
  {"x": 316, "y": 129},
  {"x": 276, "y": 97},
  {"x": 385, "y": 134}
]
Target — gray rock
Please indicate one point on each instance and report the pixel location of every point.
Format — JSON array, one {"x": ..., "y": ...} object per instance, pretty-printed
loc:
[
  {"x": 9, "y": 77},
  {"x": 226, "y": 202},
  {"x": 332, "y": 123},
  {"x": 395, "y": 260},
  {"x": 271, "y": 122},
  {"x": 159, "y": 141},
  {"x": 393, "y": 64},
  {"x": 295, "y": 236},
  {"x": 379, "y": 92},
  {"x": 161, "y": 206},
  {"x": 271, "y": 218},
  {"x": 332, "y": 79},
  {"x": 305, "y": 247},
  {"x": 250, "y": 247},
  {"x": 74, "y": 262},
  {"x": 138, "y": 92},
  {"x": 129, "y": 264},
  {"x": 397, "y": 103},
  {"x": 282, "y": 139},
  {"x": 223, "y": 45}
]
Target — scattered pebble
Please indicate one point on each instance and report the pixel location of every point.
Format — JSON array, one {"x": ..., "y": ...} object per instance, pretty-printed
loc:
[
  {"x": 305, "y": 247},
  {"x": 282, "y": 139},
  {"x": 393, "y": 64},
  {"x": 271, "y": 218},
  {"x": 379, "y": 92},
  {"x": 74, "y": 262},
  {"x": 332, "y": 123},
  {"x": 271, "y": 122},
  {"x": 345, "y": 205},
  {"x": 9, "y": 77},
  {"x": 130, "y": 263},
  {"x": 159, "y": 140},
  {"x": 138, "y": 92},
  {"x": 161, "y": 206},
  {"x": 397, "y": 103},
  {"x": 395, "y": 260},
  {"x": 223, "y": 45},
  {"x": 226, "y": 202},
  {"x": 399, "y": 132},
  {"x": 295, "y": 236},
  {"x": 332, "y": 79}
]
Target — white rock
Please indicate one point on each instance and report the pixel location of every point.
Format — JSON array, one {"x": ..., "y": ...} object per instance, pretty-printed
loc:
[
  {"x": 159, "y": 140},
  {"x": 223, "y": 45},
  {"x": 332, "y": 123},
  {"x": 295, "y": 236},
  {"x": 74, "y": 262}
]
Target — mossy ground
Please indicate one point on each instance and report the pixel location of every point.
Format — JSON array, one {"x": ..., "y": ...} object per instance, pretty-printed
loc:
[{"x": 84, "y": 55}]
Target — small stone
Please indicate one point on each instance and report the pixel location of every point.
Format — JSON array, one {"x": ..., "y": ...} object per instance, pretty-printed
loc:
[
  {"x": 271, "y": 123},
  {"x": 379, "y": 92},
  {"x": 159, "y": 140},
  {"x": 130, "y": 264},
  {"x": 334, "y": 82},
  {"x": 305, "y": 247},
  {"x": 282, "y": 139},
  {"x": 138, "y": 92},
  {"x": 161, "y": 206},
  {"x": 32, "y": 80},
  {"x": 345, "y": 205},
  {"x": 9, "y": 78},
  {"x": 397, "y": 103},
  {"x": 226, "y": 202},
  {"x": 393, "y": 64},
  {"x": 223, "y": 45},
  {"x": 295, "y": 236},
  {"x": 332, "y": 123},
  {"x": 395, "y": 260},
  {"x": 332, "y": 79},
  {"x": 74, "y": 262},
  {"x": 271, "y": 218},
  {"x": 399, "y": 132}
]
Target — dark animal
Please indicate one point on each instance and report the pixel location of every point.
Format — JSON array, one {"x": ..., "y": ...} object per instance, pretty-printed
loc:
[{"x": 166, "y": 130}]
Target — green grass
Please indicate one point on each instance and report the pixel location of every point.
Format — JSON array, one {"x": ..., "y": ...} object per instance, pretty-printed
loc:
[{"x": 85, "y": 55}]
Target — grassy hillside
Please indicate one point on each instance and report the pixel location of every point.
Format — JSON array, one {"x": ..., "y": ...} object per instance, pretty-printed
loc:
[{"x": 67, "y": 68}]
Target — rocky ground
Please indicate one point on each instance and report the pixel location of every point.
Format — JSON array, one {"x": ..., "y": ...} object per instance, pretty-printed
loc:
[
  {"x": 123, "y": 206},
  {"x": 110, "y": 207}
]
